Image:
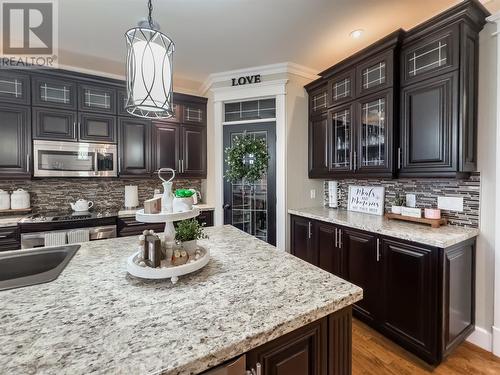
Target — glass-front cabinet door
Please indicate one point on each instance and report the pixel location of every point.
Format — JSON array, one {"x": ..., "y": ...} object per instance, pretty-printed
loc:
[
  {"x": 341, "y": 138},
  {"x": 14, "y": 87},
  {"x": 374, "y": 133},
  {"x": 94, "y": 98},
  {"x": 375, "y": 74},
  {"x": 318, "y": 100},
  {"x": 53, "y": 92},
  {"x": 341, "y": 88}
]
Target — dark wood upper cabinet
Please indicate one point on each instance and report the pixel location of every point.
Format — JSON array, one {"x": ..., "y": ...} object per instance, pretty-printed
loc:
[
  {"x": 318, "y": 100},
  {"x": 194, "y": 113},
  {"x": 341, "y": 88},
  {"x": 429, "y": 54},
  {"x": 15, "y": 141},
  {"x": 166, "y": 146},
  {"x": 97, "y": 128},
  {"x": 53, "y": 92},
  {"x": 339, "y": 140},
  {"x": 121, "y": 101},
  {"x": 363, "y": 252},
  {"x": 54, "y": 124},
  {"x": 409, "y": 287},
  {"x": 376, "y": 73},
  {"x": 15, "y": 87},
  {"x": 134, "y": 147},
  {"x": 375, "y": 134},
  {"x": 97, "y": 98},
  {"x": 429, "y": 133},
  {"x": 318, "y": 146},
  {"x": 194, "y": 151},
  {"x": 301, "y": 352},
  {"x": 429, "y": 74}
]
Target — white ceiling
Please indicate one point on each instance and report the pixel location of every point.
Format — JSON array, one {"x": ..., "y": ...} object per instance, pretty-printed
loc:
[{"x": 219, "y": 35}]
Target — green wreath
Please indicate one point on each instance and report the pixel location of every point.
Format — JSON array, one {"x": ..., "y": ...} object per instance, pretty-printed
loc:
[{"x": 247, "y": 159}]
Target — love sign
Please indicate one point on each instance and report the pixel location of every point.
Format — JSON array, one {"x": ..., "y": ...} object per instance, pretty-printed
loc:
[
  {"x": 366, "y": 199},
  {"x": 245, "y": 80}
]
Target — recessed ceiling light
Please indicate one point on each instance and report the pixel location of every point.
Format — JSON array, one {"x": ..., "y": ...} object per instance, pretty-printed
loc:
[{"x": 356, "y": 33}]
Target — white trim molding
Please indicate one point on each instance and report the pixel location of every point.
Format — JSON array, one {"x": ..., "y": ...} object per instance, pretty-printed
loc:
[
  {"x": 495, "y": 18},
  {"x": 276, "y": 89},
  {"x": 482, "y": 338},
  {"x": 286, "y": 67}
]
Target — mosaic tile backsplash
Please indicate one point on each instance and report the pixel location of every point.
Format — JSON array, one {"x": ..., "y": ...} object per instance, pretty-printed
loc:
[
  {"x": 426, "y": 191},
  {"x": 108, "y": 194}
]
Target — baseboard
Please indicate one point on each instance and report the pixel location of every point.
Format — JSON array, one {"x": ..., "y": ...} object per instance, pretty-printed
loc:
[
  {"x": 496, "y": 341},
  {"x": 482, "y": 338}
]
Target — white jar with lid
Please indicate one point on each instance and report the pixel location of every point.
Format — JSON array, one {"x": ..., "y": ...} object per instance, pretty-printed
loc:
[
  {"x": 19, "y": 199},
  {"x": 4, "y": 200}
]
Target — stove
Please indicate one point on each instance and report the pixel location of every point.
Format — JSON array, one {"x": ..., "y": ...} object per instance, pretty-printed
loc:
[
  {"x": 65, "y": 216},
  {"x": 34, "y": 228}
]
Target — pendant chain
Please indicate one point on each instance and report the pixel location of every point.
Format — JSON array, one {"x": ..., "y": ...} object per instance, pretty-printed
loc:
[{"x": 150, "y": 13}]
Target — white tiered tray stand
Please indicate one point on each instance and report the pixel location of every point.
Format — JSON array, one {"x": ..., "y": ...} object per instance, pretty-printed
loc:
[{"x": 169, "y": 272}]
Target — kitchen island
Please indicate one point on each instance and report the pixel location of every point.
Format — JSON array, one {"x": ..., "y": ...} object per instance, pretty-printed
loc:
[{"x": 96, "y": 318}]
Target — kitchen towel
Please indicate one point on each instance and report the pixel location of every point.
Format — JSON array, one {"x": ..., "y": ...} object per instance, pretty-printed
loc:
[
  {"x": 78, "y": 236},
  {"x": 55, "y": 239}
]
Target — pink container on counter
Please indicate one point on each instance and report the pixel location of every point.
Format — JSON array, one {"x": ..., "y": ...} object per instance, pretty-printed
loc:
[{"x": 432, "y": 213}]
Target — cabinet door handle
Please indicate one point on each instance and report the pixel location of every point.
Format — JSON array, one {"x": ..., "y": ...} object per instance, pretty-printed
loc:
[
  {"x": 309, "y": 231},
  {"x": 336, "y": 237},
  {"x": 378, "y": 249},
  {"x": 119, "y": 165},
  {"x": 340, "y": 238},
  {"x": 399, "y": 157},
  {"x": 182, "y": 163},
  {"x": 28, "y": 163},
  {"x": 355, "y": 160}
]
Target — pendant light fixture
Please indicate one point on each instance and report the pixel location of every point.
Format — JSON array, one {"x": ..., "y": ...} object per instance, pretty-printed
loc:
[{"x": 149, "y": 70}]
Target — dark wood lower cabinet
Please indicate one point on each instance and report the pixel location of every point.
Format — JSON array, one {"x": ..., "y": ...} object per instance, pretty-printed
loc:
[
  {"x": 422, "y": 297},
  {"x": 322, "y": 347},
  {"x": 362, "y": 252}
]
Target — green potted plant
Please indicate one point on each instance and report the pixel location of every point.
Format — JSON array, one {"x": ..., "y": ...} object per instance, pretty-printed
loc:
[
  {"x": 188, "y": 232},
  {"x": 399, "y": 202}
]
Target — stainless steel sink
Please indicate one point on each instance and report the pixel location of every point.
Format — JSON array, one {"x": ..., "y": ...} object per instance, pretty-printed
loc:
[{"x": 35, "y": 266}]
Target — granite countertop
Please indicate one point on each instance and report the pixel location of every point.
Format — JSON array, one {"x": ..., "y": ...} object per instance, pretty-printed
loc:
[
  {"x": 125, "y": 212},
  {"x": 443, "y": 237},
  {"x": 96, "y": 318},
  {"x": 10, "y": 221}
]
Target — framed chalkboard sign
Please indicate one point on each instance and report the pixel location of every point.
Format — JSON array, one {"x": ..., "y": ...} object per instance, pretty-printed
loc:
[{"x": 366, "y": 199}]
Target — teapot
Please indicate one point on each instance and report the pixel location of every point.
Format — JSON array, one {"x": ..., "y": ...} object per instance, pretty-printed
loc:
[{"x": 81, "y": 205}]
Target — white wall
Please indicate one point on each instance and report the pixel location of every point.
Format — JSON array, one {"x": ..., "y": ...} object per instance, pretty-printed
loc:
[
  {"x": 485, "y": 252},
  {"x": 298, "y": 184}
]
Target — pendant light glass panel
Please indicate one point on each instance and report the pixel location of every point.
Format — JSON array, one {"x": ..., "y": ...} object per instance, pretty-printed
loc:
[{"x": 149, "y": 73}]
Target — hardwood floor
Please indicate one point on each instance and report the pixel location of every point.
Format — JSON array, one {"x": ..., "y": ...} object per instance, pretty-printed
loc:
[{"x": 372, "y": 353}]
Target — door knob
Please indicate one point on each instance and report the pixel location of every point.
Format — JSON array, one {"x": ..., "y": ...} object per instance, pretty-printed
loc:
[{"x": 226, "y": 206}]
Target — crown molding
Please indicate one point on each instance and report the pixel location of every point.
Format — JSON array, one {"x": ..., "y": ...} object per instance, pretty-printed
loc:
[
  {"x": 494, "y": 18},
  {"x": 286, "y": 67}
]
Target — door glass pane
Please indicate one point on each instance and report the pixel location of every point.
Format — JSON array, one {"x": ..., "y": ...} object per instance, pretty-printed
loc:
[
  {"x": 374, "y": 75},
  {"x": 97, "y": 99},
  {"x": 250, "y": 110},
  {"x": 341, "y": 139},
  {"x": 341, "y": 89},
  {"x": 249, "y": 201},
  {"x": 55, "y": 93},
  {"x": 11, "y": 87},
  {"x": 431, "y": 56},
  {"x": 373, "y": 133},
  {"x": 66, "y": 161}
]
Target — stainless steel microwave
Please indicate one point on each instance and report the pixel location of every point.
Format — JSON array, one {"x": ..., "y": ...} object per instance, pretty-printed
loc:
[{"x": 74, "y": 159}]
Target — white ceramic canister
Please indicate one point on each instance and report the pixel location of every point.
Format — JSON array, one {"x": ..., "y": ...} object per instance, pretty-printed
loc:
[
  {"x": 19, "y": 199},
  {"x": 4, "y": 200},
  {"x": 183, "y": 204}
]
